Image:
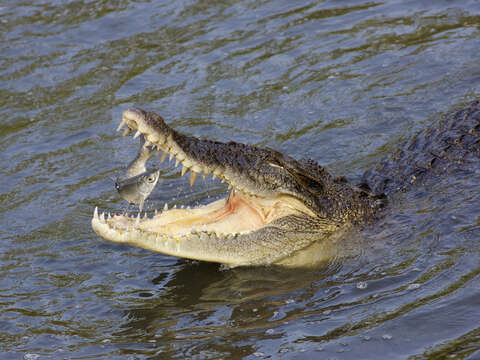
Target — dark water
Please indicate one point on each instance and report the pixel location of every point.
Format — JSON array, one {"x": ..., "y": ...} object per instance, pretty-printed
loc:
[{"x": 343, "y": 82}]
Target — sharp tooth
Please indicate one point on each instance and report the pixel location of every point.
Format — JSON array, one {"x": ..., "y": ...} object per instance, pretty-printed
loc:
[
  {"x": 165, "y": 207},
  {"x": 177, "y": 162},
  {"x": 109, "y": 216},
  {"x": 137, "y": 221},
  {"x": 137, "y": 134},
  {"x": 164, "y": 155},
  {"x": 214, "y": 176},
  {"x": 196, "y": 168},
  {"x": 170, "y": 157},
  {"x": 156, "y": 212},
  {"x": 181, "y": 207},
  {"x": 184, "y": 170},
  {"x": 122, "y": 124},
  {"x": 229, "y": 186},
  {"x": 175, "y": 206},
  {"x": 193, "y": 176},
  {"x": 204, "y": 175},
  {"x": 126, "y": 131},
  {"x": 222, "y": 180},
  {"x": 102, "y": 217},
  {"x": 95, "y": 212},
  {"x": 204, "y": 228}
]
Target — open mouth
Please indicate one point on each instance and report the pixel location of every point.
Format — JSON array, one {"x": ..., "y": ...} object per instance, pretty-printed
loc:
[{"x": 248, "y": 207}]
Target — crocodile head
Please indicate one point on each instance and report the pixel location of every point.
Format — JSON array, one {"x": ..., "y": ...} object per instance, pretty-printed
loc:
[{"x": 277, "y": 205}]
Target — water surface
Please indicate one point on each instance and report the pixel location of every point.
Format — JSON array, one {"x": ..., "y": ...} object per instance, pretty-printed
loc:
[{"x": 344, "y": 83}]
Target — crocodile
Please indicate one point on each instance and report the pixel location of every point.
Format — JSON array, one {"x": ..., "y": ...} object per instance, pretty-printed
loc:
[{"x": 279, "y": 208}]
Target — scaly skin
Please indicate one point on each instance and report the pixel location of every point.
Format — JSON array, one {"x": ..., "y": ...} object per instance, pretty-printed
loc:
[
  {"x": 451, "y": 144},
  {"x": 278, "y": 205}
]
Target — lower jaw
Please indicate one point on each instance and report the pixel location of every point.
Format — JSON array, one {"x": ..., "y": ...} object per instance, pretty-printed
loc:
[{"x": 228, "y": 249}]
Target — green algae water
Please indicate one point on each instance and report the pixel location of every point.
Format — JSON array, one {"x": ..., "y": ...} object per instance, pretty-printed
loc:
[{"x": 344, "y": 83}]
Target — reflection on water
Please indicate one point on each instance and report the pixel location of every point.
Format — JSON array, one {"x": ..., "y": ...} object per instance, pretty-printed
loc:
[{"x": 343, "y": 83}]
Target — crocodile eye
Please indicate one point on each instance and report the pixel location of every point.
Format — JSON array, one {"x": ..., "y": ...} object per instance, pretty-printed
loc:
[{"x": 150, "y": 179}]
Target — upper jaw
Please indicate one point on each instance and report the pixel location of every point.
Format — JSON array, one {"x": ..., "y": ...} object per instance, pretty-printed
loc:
[
  {"x": 254, "y": 171},
  {"x": 235, "y": 163}
]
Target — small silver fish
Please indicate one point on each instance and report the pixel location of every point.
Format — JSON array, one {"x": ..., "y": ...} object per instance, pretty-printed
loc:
[{"x": 138, "y": 188}]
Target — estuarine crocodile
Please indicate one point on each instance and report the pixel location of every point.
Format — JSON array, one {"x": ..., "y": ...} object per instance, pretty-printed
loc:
[{"x": 278, "y": 206}]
